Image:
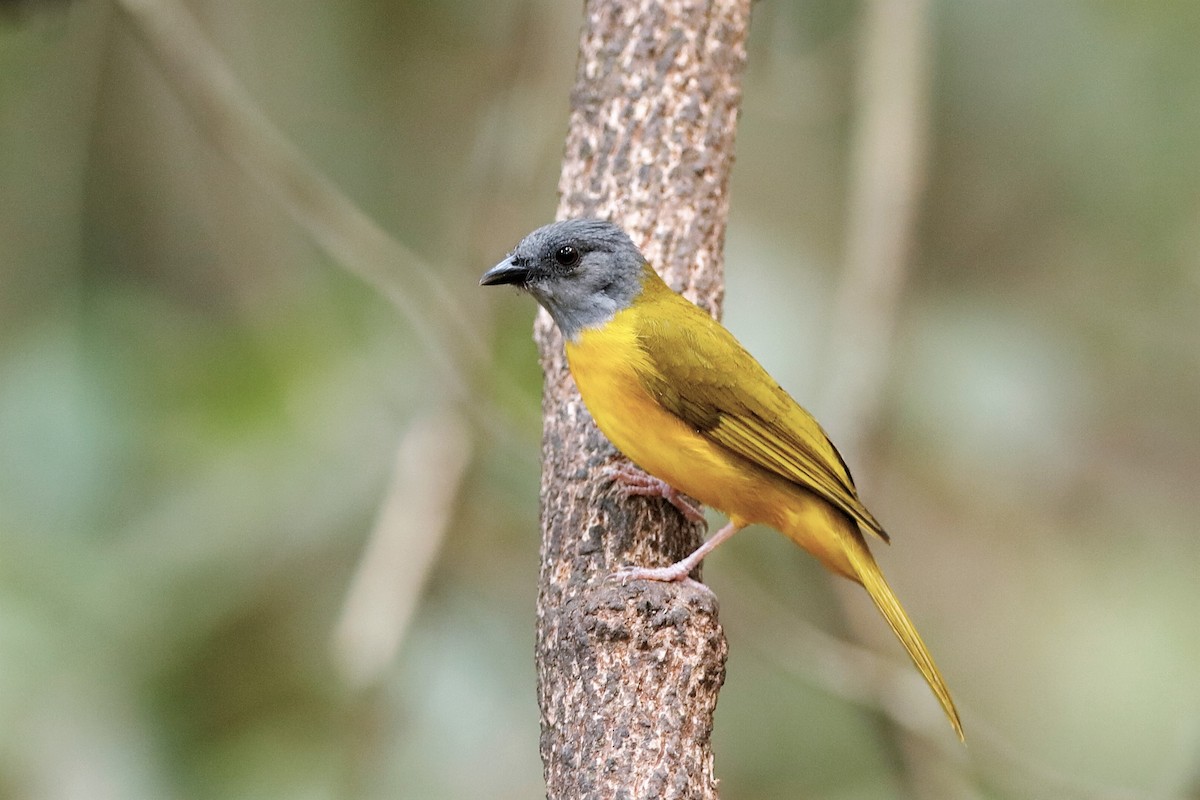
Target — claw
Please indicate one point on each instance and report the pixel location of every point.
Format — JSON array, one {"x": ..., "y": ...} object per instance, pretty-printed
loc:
[
  {"x": 636, "y": 482},
  {"x": 675, "y": 572},
  {"x": 664, "y": 574},
  {"x": 680, "y": 570}
]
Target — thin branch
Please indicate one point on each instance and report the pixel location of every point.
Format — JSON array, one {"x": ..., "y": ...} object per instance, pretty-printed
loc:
[
  {"x": 851, "y": 671},
  {"x": 224, "y": 111},
  {"x": 888, "y": 176},
  {"x": 401, "y": 550},
  {"x": 888, "y": 686}
]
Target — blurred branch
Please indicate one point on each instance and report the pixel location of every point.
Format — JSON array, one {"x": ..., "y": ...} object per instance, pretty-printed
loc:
[
  {"x": 842, "y": 668},
  {"x": 869, "y": 679},
  {"x": 1023, "y": 772},
  {"x": 229, "y": 117},
  {"x": 401, "y": 550},
  {"x": 888, "y": 176}
]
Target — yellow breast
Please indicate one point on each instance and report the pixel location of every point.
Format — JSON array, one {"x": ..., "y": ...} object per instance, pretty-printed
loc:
[{"x": 605, "y": 363}]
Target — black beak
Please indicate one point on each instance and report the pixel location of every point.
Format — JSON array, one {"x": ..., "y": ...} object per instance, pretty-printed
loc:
[{"x": 507, "y": 271}]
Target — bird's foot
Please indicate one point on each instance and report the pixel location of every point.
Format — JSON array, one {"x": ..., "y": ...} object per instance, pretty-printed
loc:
[
  {"x": 680, "y": 570},
  {"x": 676, "y": 573},
  {"x": 634, "y": 481}
]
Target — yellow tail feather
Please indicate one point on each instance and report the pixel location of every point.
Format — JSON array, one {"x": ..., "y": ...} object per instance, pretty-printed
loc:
[{"x": 871, "y": 577}]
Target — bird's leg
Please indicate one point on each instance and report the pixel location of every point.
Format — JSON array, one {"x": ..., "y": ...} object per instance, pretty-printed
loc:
[
  {"x": 682, "y": 568},
  {"x": 634, "y": 481}
]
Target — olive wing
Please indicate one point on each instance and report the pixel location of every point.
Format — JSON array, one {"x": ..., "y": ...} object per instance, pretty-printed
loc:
[{"x": 700, "y": 373}]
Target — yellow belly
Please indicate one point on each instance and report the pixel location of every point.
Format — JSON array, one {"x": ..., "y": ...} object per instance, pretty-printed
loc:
[{"x": 605, "y": 363}]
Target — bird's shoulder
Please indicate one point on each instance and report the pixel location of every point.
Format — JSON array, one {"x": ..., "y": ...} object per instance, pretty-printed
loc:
[{"x": 691, "y": 361}]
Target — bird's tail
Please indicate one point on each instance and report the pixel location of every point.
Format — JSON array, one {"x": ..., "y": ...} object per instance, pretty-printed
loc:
[{"x": 869, "y": 574}]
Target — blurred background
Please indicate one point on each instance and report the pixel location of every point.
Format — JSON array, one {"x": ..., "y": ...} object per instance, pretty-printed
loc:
[{"x": 218, "y": 579}]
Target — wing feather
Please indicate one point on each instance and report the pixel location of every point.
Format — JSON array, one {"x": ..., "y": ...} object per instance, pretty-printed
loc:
[{"x": 700, "y": 373}]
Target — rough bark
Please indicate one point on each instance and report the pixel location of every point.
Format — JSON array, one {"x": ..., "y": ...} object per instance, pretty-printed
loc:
[{"x": 628, "y": 675}]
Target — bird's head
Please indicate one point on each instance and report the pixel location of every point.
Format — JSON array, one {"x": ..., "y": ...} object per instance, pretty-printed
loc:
[{"x": 583, "y": 271}]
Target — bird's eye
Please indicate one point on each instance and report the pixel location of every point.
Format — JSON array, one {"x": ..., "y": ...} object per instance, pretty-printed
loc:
[{"x": 566, "y": 256}]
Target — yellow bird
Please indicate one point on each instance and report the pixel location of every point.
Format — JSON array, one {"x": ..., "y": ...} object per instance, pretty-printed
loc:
[{"x": 683, "y": 400}]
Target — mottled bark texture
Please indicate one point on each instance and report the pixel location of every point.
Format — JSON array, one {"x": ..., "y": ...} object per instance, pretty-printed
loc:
[{"x": 628, "y": 675}]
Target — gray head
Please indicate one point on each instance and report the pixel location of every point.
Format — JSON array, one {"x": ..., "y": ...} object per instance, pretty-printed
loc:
[{"x": 583, "y": 271}]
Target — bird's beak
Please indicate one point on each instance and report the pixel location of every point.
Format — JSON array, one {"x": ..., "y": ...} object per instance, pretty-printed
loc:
[{"x": 507, "y": 271}]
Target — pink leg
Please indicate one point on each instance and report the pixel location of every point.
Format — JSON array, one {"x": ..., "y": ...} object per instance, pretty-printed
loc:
[
  {"x": 680, "y": 569},
  {"x": 636, "y": 482}
]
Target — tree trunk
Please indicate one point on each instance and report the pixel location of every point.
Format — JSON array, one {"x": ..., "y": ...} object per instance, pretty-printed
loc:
[{"x": 628, "y": 675}]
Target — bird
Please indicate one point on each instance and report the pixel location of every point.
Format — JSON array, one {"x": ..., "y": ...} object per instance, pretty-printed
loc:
[{"x": 679, "y": 396}]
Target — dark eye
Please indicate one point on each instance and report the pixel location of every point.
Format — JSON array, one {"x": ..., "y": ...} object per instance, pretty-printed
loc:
[{"x": 566, "y": 256}]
